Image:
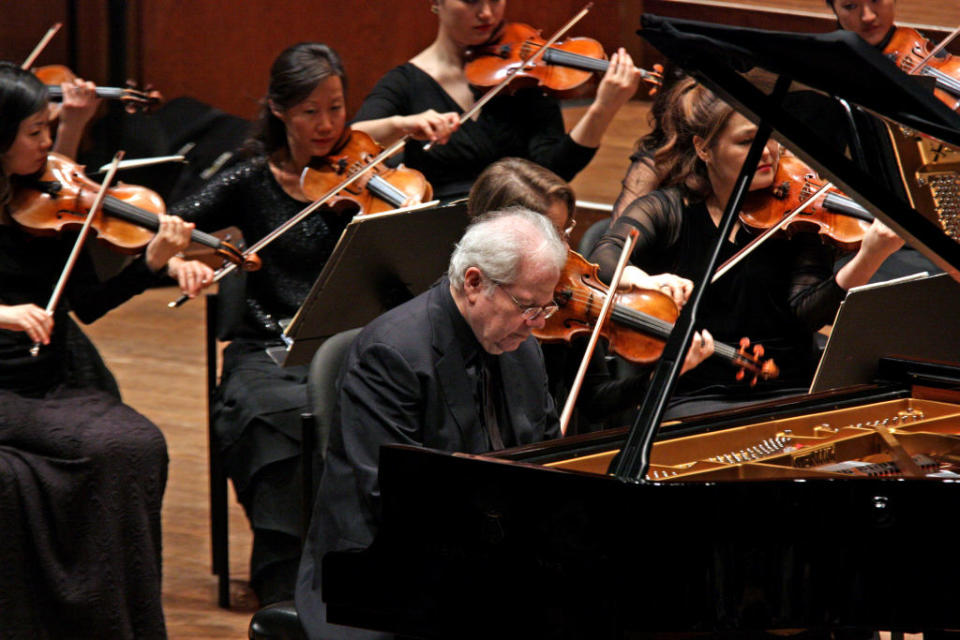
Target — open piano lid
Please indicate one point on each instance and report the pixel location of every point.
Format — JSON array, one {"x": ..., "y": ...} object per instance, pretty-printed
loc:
[{"x": 741, "y": 65}]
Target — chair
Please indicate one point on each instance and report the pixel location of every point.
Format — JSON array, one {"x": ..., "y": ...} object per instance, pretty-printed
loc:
[
  {"x": 279, "y": 621},
  {"x": 223, "y": 312}
]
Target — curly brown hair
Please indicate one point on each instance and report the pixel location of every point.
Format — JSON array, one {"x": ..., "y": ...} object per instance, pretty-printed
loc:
[{"x": 691, "y": 110}]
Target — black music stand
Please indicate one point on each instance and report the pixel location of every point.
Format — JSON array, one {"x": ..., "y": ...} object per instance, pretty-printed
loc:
[
  {"x": 380, "y": 261},
  {"x": 753, "y": 70}
]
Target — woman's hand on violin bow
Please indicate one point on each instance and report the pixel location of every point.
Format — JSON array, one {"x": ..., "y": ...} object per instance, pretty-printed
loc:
[
  {"x": 80, "y": 103},
  {"x": 879, "y": 243},
  {"x": 701, "y": 348},
  {"x": 667, "y": 283},
  {"x": 192, "y": 276},
  {"x": 429, "y": 125},
  {"x": 30, "y": 318},
  {"x": 619, "y": 84}
]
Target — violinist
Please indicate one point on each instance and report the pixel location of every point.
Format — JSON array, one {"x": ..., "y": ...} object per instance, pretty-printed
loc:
[
  {"x": 424, "y": 96},
  {"x": 83, "y": 474},
  {"x": 779, "y": 296},
  {"x": 258, "y": 404},
  {"x": 518, "y": 182}
]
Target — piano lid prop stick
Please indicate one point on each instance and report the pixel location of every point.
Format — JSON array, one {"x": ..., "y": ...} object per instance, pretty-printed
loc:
[
  {"x": 601, "y": 320},
  {"x": 81, "y": 237}
]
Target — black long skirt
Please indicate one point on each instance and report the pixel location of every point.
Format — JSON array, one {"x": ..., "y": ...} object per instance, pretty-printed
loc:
[
  {"x": 257, "y": 421},
  {"x": 81, "y": 485}
]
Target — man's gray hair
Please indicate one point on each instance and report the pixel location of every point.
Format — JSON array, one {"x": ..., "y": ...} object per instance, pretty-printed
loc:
[{"x": 498, "y": 242}]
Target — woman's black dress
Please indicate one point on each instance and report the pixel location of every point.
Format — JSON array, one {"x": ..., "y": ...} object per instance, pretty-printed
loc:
[
  {"x": 258, "y": 406},
  {"x": 527, "y": 124},
  {"x": 81, "y": 474}
]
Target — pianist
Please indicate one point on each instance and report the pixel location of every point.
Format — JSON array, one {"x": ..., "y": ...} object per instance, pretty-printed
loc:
[{"x": 455, "y": 369}]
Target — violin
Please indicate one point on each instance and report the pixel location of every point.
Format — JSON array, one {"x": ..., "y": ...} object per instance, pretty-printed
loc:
[
  {"x": 639, "y": 325},
  {"x": 132, "y": 98},
  {"x": 59, "y": 198},
  {"x": 563, "y": 68},
  {"x": 839, "y": 220},
  {"x": 908, "y": 48},
  {"x": 385, "y": 189}
]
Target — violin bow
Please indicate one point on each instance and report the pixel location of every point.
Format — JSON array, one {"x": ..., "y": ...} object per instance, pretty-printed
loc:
[
  {"x": 137, "y": 163},
  {"x": 37, "y": 50},
  {"x": 295, "y": 220},
  {"x": 763, "y": 237},
  {"x": 937, "y": 49},
  {"x": 489, "y": 95},
  {"x": 595, "y": 335},
  {"x": 78, "y": 245}
]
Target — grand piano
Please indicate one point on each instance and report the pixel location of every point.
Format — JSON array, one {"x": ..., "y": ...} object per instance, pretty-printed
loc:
[{"x": 819, "y": 512}]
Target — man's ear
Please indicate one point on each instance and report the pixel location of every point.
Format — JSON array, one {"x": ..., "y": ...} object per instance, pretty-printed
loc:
[{"x": 473, "y": 284}]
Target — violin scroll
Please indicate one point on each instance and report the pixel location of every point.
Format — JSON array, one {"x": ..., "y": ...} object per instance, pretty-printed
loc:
[
  {"x": 133, "y": 99},
  {"x": 750, "y": 360}
]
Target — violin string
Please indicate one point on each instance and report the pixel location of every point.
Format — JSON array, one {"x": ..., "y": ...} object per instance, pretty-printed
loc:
[{"x": 148, "y": 220}]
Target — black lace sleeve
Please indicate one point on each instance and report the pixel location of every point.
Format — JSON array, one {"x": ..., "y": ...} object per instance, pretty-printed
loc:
[
  {"x": 656, "y": 216},
  {"x": 815, "y": 295}
]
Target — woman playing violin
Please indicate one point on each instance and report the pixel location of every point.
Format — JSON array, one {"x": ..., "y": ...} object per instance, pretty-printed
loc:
[
  {"x": 424, "y": 96},
  {"x": 257, "y": 413},
  {"x": 780, "y": 294},
  {"x": 83, "y": 474},
  {"x": 519, "y": 182}
]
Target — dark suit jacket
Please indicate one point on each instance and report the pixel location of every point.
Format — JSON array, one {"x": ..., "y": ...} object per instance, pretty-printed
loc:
[{"x": 405, "y": 382}]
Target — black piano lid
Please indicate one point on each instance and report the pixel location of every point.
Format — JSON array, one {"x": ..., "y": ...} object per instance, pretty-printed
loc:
[{"x": 839, "y": 64}]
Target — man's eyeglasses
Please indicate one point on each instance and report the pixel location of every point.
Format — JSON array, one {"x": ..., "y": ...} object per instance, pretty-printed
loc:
[{"x": 529, "y": 311}]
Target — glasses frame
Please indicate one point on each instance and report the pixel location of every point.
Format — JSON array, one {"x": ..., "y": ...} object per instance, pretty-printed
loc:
[{"x": 529, "y": 312}]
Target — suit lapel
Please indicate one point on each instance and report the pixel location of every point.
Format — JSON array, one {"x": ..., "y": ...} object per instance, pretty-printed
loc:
[{"x": 454, "y": 383}]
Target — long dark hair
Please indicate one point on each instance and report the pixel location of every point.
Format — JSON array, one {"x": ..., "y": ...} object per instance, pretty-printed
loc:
[
  {"x": 21, "y": 96},
  {"x": 294, "y": 75}
]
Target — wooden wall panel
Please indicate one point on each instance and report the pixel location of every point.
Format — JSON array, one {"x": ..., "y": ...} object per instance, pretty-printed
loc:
[
  {"x": 19, "y": 36},
  {"x": 220, "y": 51}
]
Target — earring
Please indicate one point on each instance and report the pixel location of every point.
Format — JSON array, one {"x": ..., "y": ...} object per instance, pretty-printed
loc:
[{"x": 434, "y": 8}]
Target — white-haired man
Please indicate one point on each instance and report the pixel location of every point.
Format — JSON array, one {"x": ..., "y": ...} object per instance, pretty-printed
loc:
[{"x": 455, "y": 369}]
